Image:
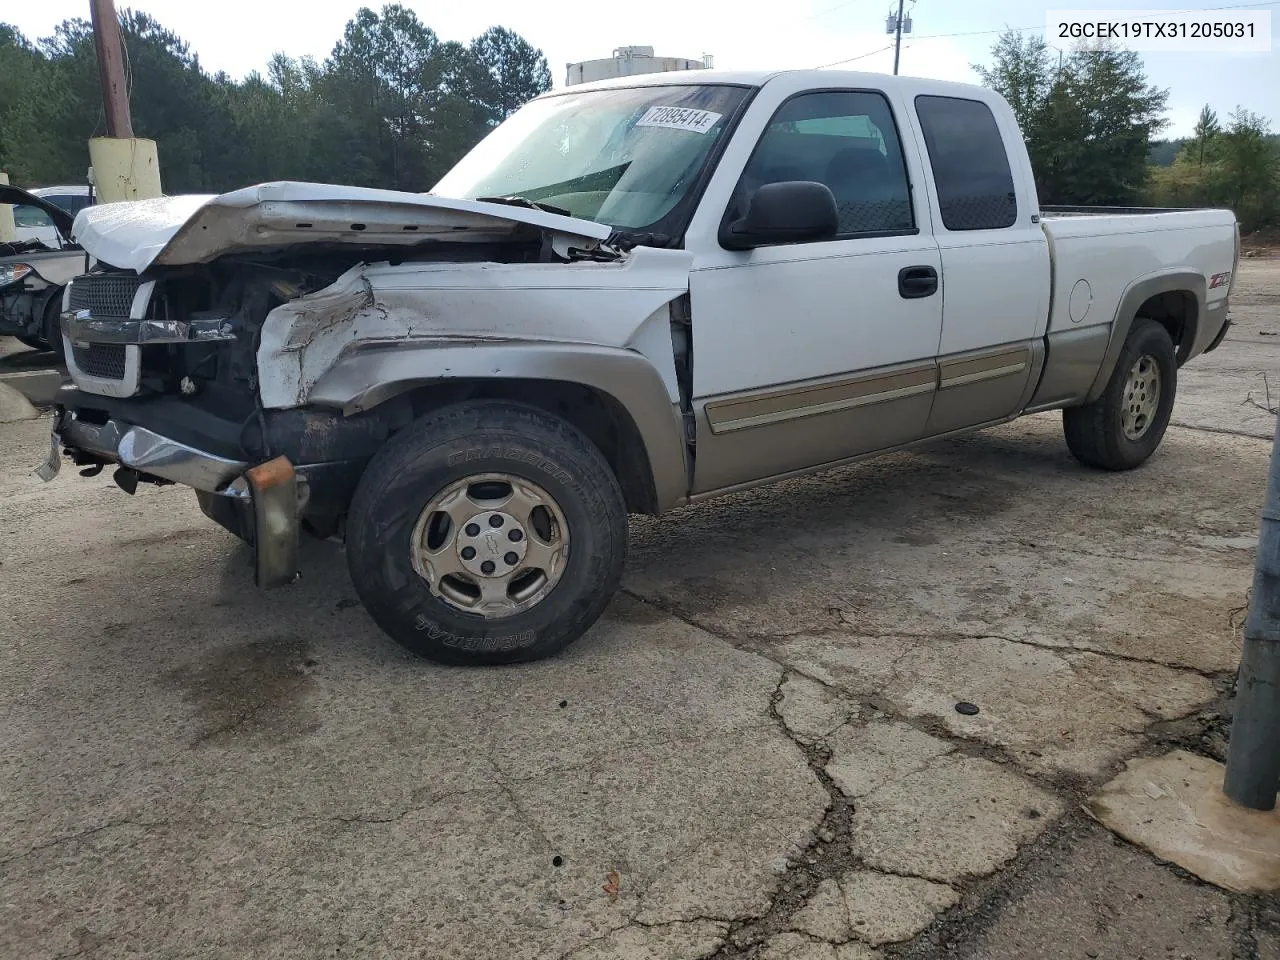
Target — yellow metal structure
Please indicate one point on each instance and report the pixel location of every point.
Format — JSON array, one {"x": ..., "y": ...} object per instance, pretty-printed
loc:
[
  {"x": 124, "y": 169},
  {"x": 8, "y": 232}
]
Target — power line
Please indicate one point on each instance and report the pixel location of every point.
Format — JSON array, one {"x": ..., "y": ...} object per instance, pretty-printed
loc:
[{"x": 858, "y": 57}]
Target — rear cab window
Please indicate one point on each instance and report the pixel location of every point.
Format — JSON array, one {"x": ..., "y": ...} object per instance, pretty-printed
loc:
[{"x": 969, "y": 162}]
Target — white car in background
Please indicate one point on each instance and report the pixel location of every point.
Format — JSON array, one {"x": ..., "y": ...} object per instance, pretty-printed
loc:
[
  {"x": 36, "y": 266},
  {"x": 32, "y": 223}
]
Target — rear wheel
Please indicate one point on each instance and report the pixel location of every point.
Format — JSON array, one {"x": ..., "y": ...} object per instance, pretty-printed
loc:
[
  {"x": 1123, "y": 427},
  {"x": 485, "y": 533}
]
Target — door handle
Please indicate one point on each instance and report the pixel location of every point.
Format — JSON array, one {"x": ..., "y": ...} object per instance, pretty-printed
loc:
[{"x": 916, "y": 282}]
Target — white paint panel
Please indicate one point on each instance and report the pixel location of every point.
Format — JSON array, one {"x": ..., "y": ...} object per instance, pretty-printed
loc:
[
  {"x": 785, "y": 314},
  {"x": 1112, "y": 252},
  {"x": 993, "y": 293},
  {"x": 801, "y": 311}
]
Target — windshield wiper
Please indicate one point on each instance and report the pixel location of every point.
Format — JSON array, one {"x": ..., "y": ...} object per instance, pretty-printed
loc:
[
  {"x": 625, "y": 240},
  {"x": 527, "y": 204}
]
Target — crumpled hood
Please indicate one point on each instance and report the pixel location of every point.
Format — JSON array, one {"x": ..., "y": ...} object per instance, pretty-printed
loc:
[{"x": 198, "y": 228}]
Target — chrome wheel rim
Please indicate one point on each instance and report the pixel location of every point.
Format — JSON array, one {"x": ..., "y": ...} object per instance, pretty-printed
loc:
[
  {"x": 491, "y": 544},
  {"x": 1141, "y": 397}
]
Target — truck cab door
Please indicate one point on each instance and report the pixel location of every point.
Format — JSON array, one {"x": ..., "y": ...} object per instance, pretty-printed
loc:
[
  {"x": 995, "y": 261},
  {"x": 810, "y": 353}
]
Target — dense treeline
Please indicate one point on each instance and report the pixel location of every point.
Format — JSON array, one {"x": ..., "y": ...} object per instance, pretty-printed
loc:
[
  {"x": 392, "y": 106},
  {"x": 1090, "y": 117},
  {"x": 1234, "y": 164}
]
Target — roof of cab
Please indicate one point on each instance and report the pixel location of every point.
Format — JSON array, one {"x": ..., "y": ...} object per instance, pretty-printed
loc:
[{"x": 758, "y": 78}]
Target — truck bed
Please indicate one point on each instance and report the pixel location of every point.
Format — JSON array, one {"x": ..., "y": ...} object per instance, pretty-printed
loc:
[{"x": 1099, "y": 253}]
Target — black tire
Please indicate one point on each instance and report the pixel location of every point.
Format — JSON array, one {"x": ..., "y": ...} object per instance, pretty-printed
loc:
[
  {"x": 35, "y": 343},
  {"x": 443, "y": 448},
  {"x": 1095, "y": 432},
  {"x": 51, "y": 329}
]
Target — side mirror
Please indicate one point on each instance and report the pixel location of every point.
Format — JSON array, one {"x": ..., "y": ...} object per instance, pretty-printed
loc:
[{"x": 793, "y": 211}]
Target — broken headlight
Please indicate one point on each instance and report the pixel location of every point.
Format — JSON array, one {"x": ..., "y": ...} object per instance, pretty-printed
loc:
[{"x": 13, "y": 272}]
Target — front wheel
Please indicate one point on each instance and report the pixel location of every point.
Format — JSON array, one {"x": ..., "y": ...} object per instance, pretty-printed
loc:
[
  {"x": 1123, "y": 427},
  {"x": 485, "y": 533}
]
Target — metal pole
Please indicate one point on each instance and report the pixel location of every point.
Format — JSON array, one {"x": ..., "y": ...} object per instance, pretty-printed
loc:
[
  {"x": 1253, "y": 754},
  {"x": 897, "y": 40},
  {"x": 115, "y": 91}
]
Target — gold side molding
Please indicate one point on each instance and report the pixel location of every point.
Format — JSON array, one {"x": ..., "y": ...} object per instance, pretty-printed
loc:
[
  {"x": 1006, "y": 363},
  {"x": 740, "y": 413}
]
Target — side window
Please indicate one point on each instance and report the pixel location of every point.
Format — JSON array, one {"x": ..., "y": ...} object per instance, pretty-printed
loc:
[
  {"x": 848, "y": 141},
  {"x": 72, "y": 203},
  {"x": 970, "y": 166},
  {"x": 24, "y": 216}
]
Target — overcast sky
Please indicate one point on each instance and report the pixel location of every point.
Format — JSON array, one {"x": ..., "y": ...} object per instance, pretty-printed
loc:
[{"x": 240, "y": 35}]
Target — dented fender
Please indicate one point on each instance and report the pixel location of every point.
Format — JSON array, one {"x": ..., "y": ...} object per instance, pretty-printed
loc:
[
  {"x": 376, "y": 372},
  {"x": 380, "y": 330}
]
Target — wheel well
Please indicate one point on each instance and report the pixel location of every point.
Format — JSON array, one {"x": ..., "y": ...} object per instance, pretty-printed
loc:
[
  {"x": 598, "y": 415},
  {"x": 1176, "y": 311}
]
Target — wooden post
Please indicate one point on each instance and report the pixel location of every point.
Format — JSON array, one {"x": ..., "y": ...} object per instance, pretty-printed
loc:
[{"x": 115, "y": 90}]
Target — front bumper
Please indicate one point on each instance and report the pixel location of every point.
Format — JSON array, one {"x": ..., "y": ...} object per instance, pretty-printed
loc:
[
  {"x": 268, "y": 499},
  {"x": 143, "y": 451}
]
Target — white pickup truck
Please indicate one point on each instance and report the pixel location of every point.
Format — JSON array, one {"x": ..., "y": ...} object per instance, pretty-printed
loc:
[{"x": 631, "y": 296}]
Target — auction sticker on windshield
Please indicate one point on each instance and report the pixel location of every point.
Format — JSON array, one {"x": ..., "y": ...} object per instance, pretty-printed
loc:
[{"x": 679, "y": 118}]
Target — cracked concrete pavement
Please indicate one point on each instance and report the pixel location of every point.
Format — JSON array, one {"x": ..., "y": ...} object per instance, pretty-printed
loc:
[{"x": 755, "y": 754}]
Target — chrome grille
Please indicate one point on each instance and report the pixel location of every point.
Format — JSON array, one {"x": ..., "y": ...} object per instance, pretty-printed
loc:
[
  {"x": 104, "y": 360},
  {"x": 104, "y": 295}
]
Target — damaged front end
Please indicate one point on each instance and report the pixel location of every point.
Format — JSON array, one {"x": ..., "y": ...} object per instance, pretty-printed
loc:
[
  {"x": 168, "y": 382},
  {"x": 165, "y": 390}
]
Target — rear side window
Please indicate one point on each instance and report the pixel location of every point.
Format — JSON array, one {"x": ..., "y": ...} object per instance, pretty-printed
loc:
[{"x": 970, "y": 166}]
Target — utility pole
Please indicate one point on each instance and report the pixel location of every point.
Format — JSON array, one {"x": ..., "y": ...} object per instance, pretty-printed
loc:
[
  {"x": 115, "y": 90},
  {"x": 897, "y": 40},
  {"x": 1253, "y": 753},
  {"x": 122, "y": 166},
  {"x": 897, "y": 26}
]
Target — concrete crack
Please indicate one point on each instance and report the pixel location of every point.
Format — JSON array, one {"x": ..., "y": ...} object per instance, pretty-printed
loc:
[
  {"x": 232, "y": 726},
  {"x": 416, "y": 804},
  {"x": 846, "y": 627},
  {"x": 1223, "y": 430},
  {"x": 523, "y": 814},
  {"x": 827, "y": 855},
  {"x": 1125, "y": 657},
  {"x": 81, "y": 835}
]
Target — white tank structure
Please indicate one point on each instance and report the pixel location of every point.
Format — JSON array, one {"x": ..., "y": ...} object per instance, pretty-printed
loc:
[{"x": 629, "y": 61}]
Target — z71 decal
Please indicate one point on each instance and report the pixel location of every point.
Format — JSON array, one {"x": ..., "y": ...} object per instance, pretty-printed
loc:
[{"x": 1219, "y": 280}]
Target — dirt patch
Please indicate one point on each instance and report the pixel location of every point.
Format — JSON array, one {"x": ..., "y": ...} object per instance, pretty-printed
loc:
[
  {"x": 1261, "y": 243},
  {"x": 250, "y": 692}
]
